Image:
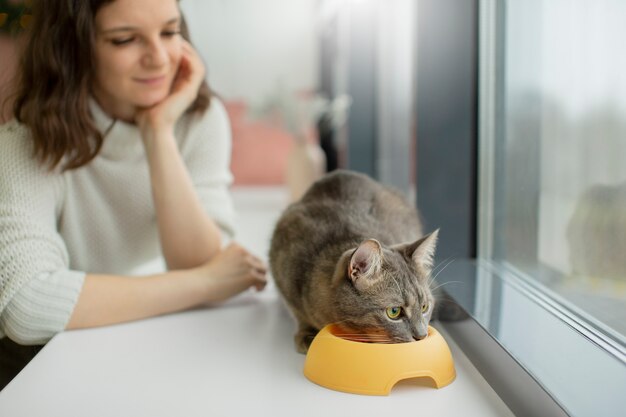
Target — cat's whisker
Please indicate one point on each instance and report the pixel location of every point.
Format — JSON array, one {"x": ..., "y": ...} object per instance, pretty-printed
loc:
[
  {"x": 395, "y": 281},
  {"x": 441, "y": 263},
  {"x": 442, "y": 269},
  {"x": 434, "y": 272},
  {"x": 446, "y": 283}
]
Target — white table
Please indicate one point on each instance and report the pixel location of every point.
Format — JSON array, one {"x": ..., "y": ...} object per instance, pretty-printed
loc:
[{"x": 237, "y": 359}]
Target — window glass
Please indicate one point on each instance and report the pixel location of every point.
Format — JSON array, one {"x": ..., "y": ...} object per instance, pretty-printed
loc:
[{"x": 559, "y": 205}]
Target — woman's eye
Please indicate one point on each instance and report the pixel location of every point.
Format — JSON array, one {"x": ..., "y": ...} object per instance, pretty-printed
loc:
[
  {"x": 124, "y": 41},
  {"x": 394, "y": 312},
  {"x": 170, "y": 33},
  {"x": 424, "y": 307}
]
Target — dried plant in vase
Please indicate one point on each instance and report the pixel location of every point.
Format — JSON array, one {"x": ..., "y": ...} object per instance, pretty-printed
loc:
[{"x": 298, "y": 113}]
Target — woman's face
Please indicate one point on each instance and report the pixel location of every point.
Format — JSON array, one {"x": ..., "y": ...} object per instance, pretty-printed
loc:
[{"x": 138, "y": 48}]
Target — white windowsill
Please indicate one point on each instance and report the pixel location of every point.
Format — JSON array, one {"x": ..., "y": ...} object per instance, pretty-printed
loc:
[{"x": 243, "y": 363}]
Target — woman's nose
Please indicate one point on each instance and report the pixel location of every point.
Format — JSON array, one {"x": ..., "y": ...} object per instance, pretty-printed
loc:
[{"x": 156, "y": 54}]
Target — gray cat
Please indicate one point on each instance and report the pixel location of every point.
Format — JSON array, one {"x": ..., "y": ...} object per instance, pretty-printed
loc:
[{"x": 349, "y": 252}]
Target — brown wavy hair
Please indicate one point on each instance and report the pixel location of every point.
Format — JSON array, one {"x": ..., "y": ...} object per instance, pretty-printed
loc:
[{"x": 55, "y": 78}]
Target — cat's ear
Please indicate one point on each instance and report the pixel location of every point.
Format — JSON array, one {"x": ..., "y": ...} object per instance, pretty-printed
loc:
[
  {"x": 364, "y": 264},
  {"x": 422, "y": 251}
]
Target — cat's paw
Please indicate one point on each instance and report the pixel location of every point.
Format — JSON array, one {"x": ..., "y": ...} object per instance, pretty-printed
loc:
[
  {"x": 303, "y": 340},
  {"x": 449, "y": 310}
]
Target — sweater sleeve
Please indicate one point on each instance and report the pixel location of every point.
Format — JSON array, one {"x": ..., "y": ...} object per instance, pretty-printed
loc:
[
  {"x": 38, "y": 291},
  {"x": 206, "y": 150}
]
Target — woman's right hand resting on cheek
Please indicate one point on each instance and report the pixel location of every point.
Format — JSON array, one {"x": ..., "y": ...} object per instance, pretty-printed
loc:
[{"x": 232, "y": 271}]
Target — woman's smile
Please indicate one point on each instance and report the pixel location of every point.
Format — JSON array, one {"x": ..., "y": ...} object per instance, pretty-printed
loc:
[{"x": 151, "y": 81}]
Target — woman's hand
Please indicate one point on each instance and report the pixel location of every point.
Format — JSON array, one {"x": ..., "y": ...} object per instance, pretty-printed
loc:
[
  {"x": 109, "y": 299},
  {"x": 163, "y": 116},
  {"x": 232, "y": 271}
]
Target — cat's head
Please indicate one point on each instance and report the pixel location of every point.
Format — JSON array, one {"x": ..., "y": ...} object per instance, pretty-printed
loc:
[{"x": 382, "y": 293}]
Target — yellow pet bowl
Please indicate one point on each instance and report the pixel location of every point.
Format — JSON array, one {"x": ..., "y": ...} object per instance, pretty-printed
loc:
[{"x": 374, "y": 368}]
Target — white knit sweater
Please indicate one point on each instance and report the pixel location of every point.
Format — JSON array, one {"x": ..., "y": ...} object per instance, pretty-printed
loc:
[{"x": 55, "y": 227}]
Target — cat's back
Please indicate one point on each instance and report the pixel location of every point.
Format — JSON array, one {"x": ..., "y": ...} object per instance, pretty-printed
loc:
[
  {"x": 330, "y": 204},
  {"x": 341, "y": 186},
  {"x": 337, "y": 213},
  {"x": 347, "y": 206},
  {"x": 319, "y": 216}
]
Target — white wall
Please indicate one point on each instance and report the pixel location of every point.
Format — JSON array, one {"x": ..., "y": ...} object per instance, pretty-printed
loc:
[
  {"x": 396, "y": 92},
  {"x": 249, "y": 45}
]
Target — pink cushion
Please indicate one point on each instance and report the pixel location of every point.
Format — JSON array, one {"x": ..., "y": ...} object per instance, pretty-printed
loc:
[{"x": 259, "y": 149}]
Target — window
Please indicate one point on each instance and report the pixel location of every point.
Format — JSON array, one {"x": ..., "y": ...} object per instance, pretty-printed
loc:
[
  {"x": 520, "y": 121},
  {"x": 553, "y": 193},
  {"x": 560, "y": 190}
]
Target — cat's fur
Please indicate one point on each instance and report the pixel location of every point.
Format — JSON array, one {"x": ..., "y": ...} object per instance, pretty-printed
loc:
[{"x": 347, "y": 251}]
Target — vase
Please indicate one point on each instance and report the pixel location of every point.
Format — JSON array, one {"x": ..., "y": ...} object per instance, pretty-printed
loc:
[{"x": 306, "y": 163}]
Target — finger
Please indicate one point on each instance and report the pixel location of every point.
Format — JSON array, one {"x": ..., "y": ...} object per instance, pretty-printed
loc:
[
  {"x": 255, "y": 259},
  {"x": 237, "y": 248},
  {"x": 256, "y": 263},
  {"x": 187, "y": 46},
  {"x": 257, "y": 275},
  {"x": 261, "y": 271},
  {"x": 259, "y": 285},
  {"x": 191, "y": 69},
  {"x": 192, "y": 55}
]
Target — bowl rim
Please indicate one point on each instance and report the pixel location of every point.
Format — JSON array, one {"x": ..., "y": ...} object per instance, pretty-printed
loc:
[{"x": 327, "y": 331}]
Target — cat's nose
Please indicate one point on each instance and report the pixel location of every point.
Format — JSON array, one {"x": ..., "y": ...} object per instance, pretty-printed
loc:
[
  {"x": 420, "y": 331},
  {"x": 420, "y": 336}
]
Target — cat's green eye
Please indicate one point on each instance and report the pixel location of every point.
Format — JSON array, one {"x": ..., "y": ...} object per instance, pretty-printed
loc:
[
  {"x": 424, "y": 308},
  {"x": 394, "y": 312}
]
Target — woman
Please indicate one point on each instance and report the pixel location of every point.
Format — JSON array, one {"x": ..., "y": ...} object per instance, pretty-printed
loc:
[{"x": 117, "y": 154}]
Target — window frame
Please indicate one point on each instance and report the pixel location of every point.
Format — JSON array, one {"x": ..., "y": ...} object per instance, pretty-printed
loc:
[
  {"x": 468, "y": 87},
  {"x": 459, "y": 109}
]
